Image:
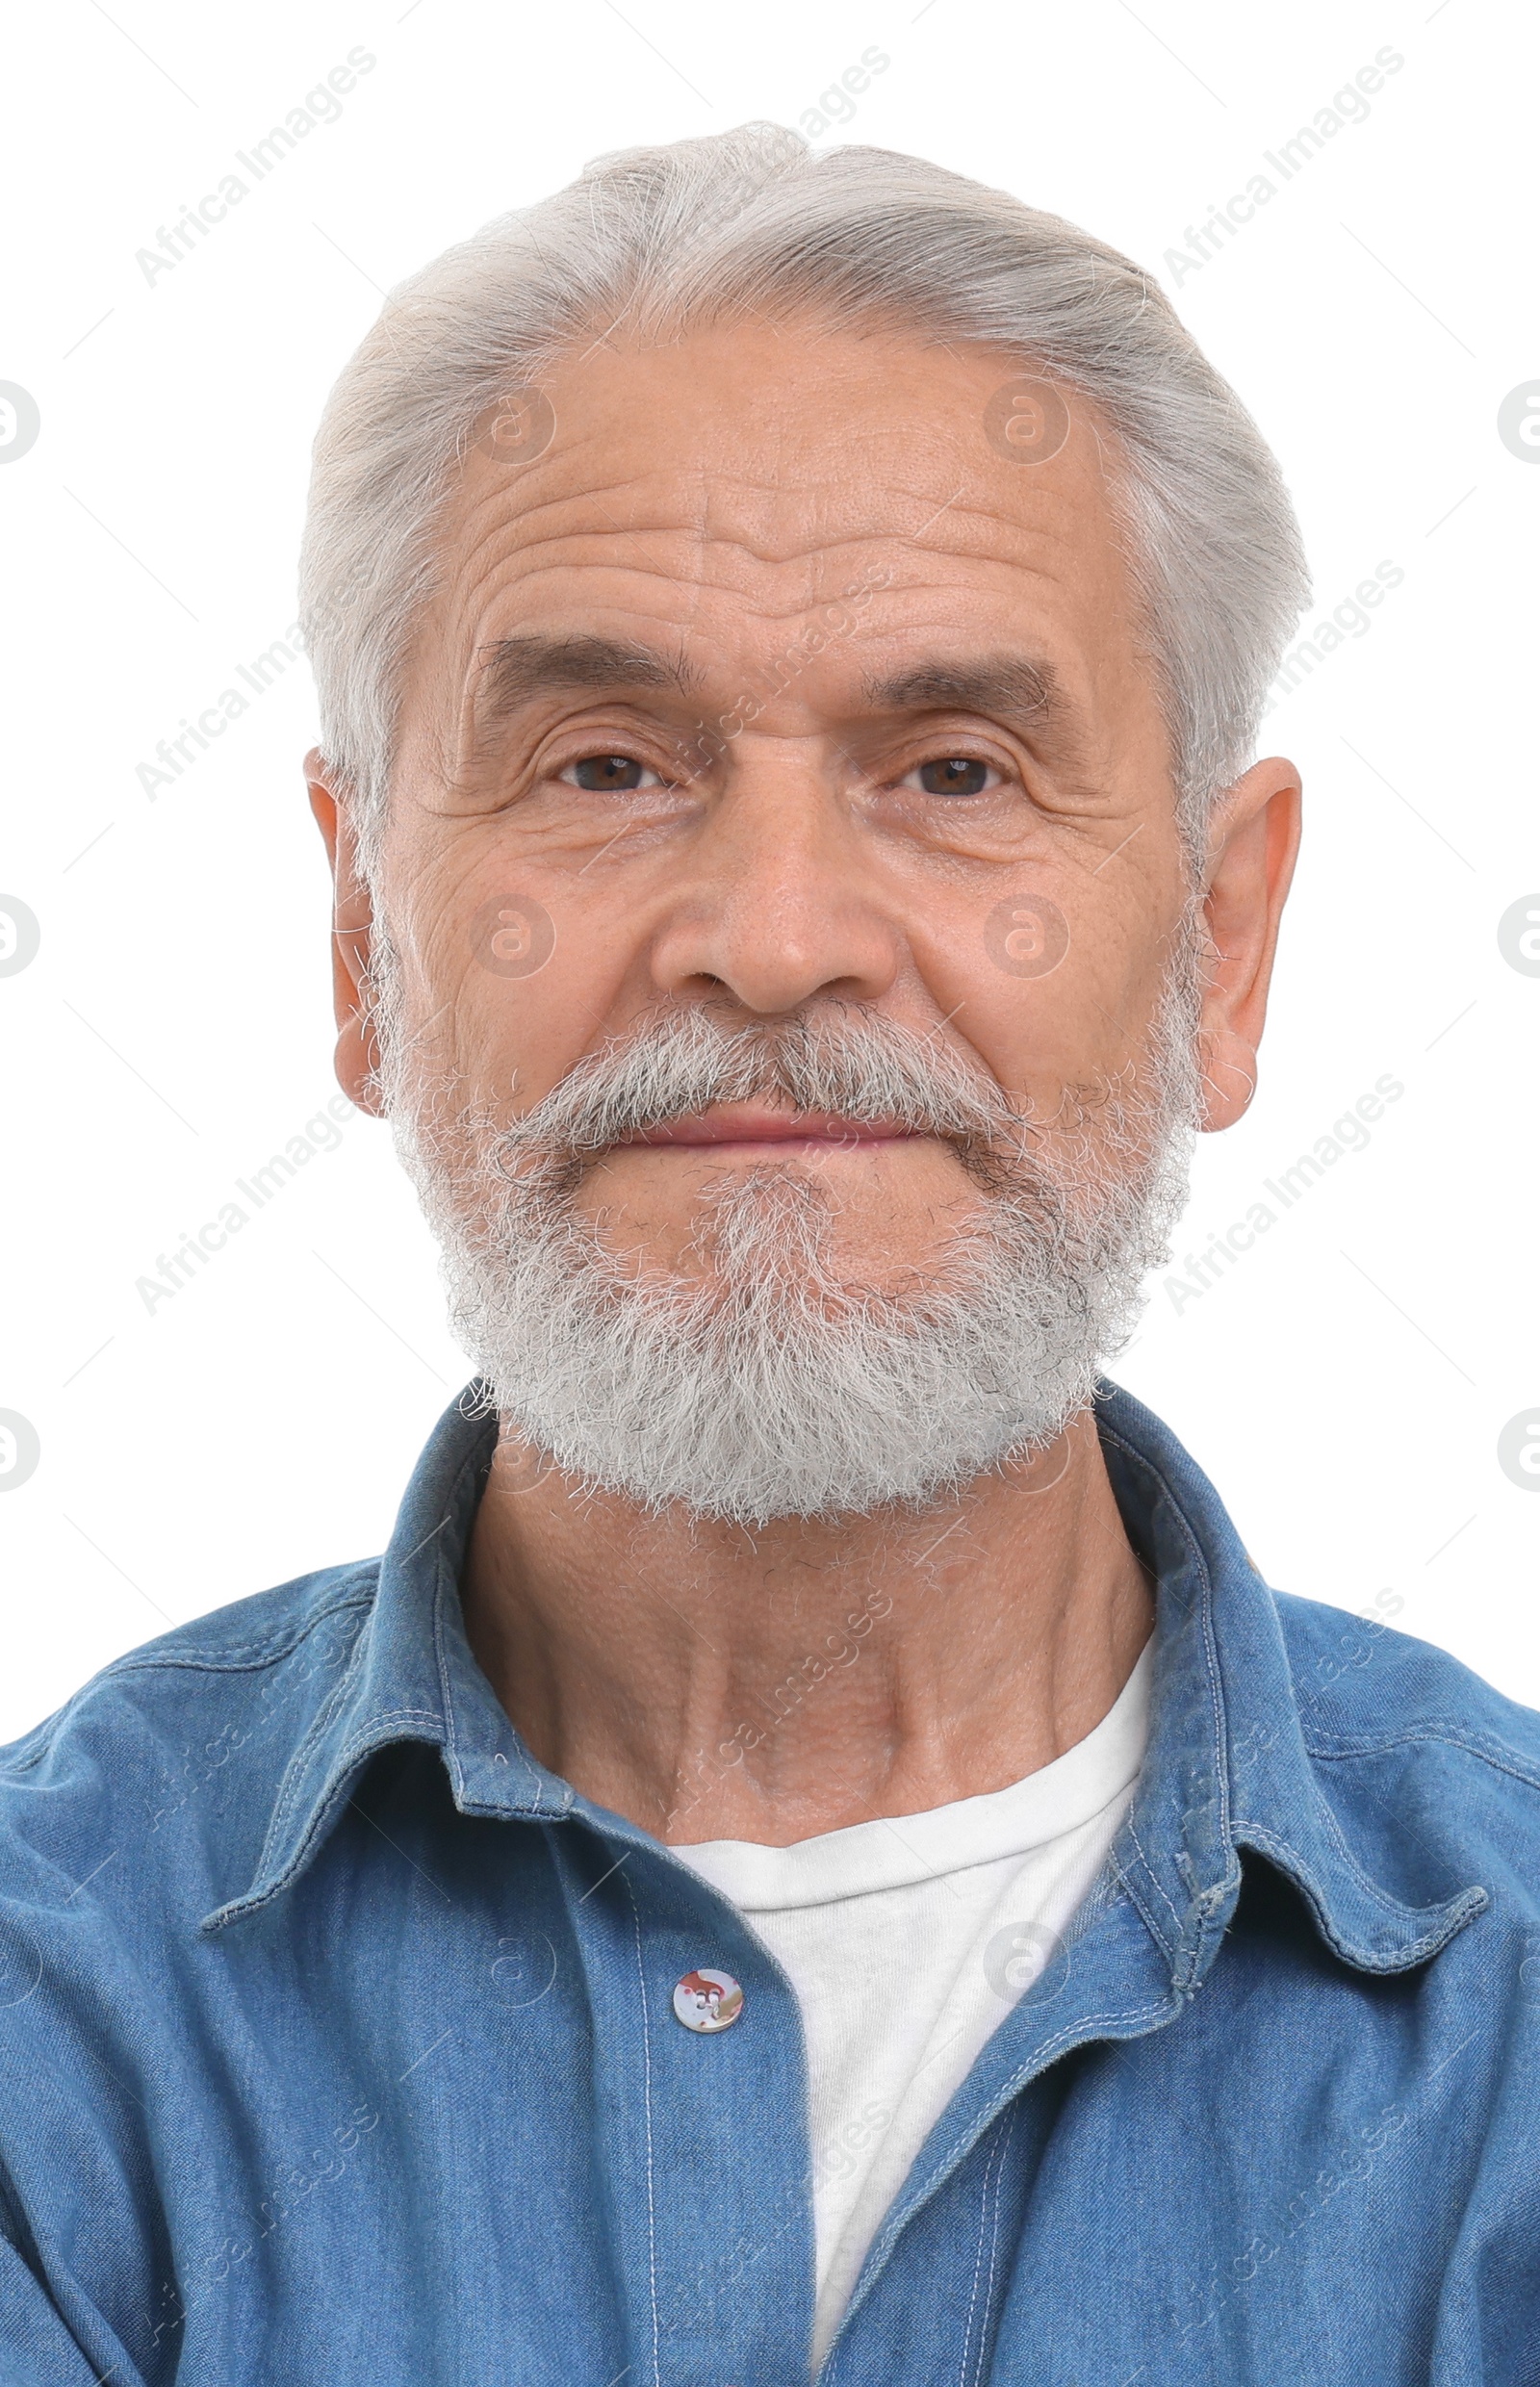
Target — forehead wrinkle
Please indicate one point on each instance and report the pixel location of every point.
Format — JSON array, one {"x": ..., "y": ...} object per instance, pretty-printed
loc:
[
  {"x": 700, "y": 557},
  {"x": 696, "y": 504},
  {"x": 495, "y": 564},
  {"x": 680, "y": 499}
]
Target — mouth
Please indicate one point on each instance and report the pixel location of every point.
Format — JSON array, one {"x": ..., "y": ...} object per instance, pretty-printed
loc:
[{"x": 753, "y": 1127}]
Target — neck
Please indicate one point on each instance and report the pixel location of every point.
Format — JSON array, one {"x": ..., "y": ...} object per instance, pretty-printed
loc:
[{"x": 710, "y": 1683}]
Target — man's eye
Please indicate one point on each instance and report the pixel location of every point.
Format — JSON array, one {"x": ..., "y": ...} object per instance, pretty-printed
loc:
[
  {"x": 951, "y": 774},
  {"x": 609, "y": 774}
]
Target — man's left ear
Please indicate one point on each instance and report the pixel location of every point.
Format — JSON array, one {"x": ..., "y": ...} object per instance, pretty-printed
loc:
[
  {"x": 357, "y": 1055},
  {"x": 1253, "y": 840}
]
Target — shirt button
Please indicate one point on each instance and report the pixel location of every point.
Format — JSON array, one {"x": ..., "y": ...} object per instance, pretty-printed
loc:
[{"x": 708, "y": 2000}]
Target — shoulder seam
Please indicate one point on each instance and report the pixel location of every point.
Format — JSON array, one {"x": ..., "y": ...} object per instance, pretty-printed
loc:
[
  {"x": 1496, "y": 1754},
  {"x": 246, "y": 1657}
]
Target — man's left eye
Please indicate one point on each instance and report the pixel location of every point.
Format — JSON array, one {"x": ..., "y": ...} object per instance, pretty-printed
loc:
[
  {"x": 608, "y": 774},
  {"x": 951, "y": 775}
]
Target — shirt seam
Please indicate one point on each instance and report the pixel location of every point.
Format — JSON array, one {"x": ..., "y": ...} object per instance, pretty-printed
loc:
[
  {"x": 1086, "y": 2029},
  {"x": 1139, "y": 1460},
  {"x": 294, "y": 1771},
  {"x": 445, "y": 1585},
  {"x": 647, "y": 2115},
  {"x": 249, "y": 1658},
  {"x": 1272, "y": 1843},
  {"x": 990, "y": 2217},
  {"x": 248, "y": 1655},
  {"x": 1135, "y": 1892},
  {"x": 1382, "y": 1897},
  {"x": 290, "y": 1787},
  {"x": 1496, "y": 1754},
  {"x": 363, "y": 1745},
  {"x": 289, "y": 1793},
  {"x": 1160, "y": 1887}
]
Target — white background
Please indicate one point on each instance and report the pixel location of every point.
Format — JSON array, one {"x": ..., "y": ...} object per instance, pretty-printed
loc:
[{"x": 1346, "y": 1384}]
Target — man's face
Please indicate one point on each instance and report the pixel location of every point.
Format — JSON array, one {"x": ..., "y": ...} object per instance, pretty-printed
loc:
[{"x": 888, "y": 739}]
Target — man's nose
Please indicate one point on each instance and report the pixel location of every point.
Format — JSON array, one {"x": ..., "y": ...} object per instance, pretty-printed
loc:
[{"x": 780, "y": 900}]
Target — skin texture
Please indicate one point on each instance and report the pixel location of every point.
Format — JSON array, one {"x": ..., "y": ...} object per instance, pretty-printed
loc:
[{"x": 714, "y": 502}]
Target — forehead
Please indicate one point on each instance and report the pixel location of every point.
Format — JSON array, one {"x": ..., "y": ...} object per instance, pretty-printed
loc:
[{"x": 701, "y": 495}]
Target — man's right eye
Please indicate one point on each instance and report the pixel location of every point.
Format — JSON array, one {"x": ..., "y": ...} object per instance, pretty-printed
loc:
[{"x": 609, "y": 774}]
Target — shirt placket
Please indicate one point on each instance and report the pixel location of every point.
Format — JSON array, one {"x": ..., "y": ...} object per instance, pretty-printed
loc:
[{"x": 699, "y": 2089}]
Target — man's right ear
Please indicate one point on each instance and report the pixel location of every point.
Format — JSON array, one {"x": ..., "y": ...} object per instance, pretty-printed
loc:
[{"x": 352, "y": 921}]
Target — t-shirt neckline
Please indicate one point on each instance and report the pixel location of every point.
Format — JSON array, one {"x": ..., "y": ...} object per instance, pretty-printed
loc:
[{"x": 891, "y": 1852}]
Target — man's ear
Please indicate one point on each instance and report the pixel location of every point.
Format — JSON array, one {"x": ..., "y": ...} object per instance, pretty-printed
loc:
[
  {"x": 1253, "y": 840},
  {"x": 352, "y": 921}
]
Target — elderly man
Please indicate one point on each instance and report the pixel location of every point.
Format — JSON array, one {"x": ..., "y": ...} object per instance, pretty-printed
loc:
[{"x": 813, "y": 1851}]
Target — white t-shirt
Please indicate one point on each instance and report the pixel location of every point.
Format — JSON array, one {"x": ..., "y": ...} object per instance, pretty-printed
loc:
[{"x": 906, "y": 1940}]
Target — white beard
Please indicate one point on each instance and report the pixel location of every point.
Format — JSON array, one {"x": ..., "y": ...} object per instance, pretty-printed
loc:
[{"x": 764, "y": 1385}]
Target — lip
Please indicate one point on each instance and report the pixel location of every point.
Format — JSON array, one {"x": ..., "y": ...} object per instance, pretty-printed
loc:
[{"x": 746, "y": 1123}]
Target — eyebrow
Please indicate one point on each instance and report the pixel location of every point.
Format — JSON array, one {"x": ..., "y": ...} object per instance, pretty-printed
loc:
[
  {"x": 518, "y": 669},
  {"x": 1010, "y": 686},
  {"x": 1014, "y": 686}
]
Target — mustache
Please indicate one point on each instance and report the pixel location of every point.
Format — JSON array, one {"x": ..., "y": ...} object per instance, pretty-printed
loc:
[{"x": 841, "y": 1060}]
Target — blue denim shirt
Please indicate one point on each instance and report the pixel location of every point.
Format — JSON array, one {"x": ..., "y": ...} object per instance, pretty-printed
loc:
[{"x": 337, "y": 2042}]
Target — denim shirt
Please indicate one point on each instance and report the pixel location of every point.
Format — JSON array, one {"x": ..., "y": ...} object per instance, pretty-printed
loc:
[{"x": 338, "y": 2042}]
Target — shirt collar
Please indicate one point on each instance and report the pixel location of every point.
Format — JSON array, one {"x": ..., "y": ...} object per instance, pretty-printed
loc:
[
  {"x": 1226, "y": 1765},
  {"x": 411, "y": 1676}
]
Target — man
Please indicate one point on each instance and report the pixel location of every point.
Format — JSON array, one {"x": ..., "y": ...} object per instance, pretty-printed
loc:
[{"x": 813, "y": 1851}]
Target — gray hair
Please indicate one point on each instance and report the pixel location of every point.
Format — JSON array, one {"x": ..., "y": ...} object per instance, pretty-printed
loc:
[{"x": 698, "y": 232}]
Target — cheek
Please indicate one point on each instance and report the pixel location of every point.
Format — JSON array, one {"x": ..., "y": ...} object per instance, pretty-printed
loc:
[
  {"x": 1045, "y": 986},
  {"x": 521, "y": 1031},
  {"x": 527, "y": 971}
]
